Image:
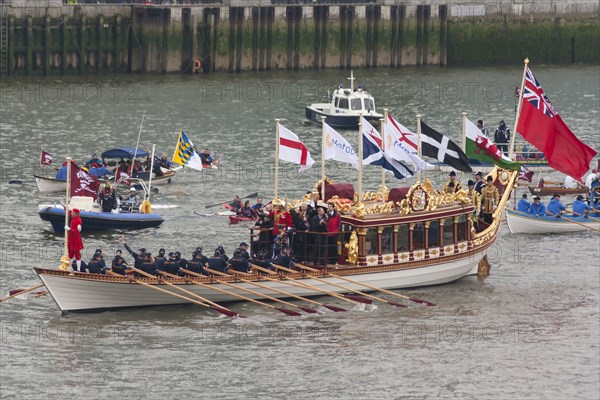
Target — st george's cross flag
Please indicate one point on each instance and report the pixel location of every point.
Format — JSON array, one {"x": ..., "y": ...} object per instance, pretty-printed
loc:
[
  {"x": 292, "y": 149},
  {"x": 374, "y": 155},
  {"x": 46, "y": 158},
  {"x": 399, "y": 147},
  {"x": 185, "y": 153},
  {"x": 479, "y": 147},
  {"x": 336, "y": 147},
  {"x": 540, "y": 124},
  {"x": 403, "y": 134},
  {"x": 440, "y": 147}
]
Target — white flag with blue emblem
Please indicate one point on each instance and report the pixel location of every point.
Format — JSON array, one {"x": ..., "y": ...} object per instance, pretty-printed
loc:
[{"x": 337, "y": 148}]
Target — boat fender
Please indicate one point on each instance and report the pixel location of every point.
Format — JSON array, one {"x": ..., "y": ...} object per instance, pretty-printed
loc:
[
  {"x": 145, "y": 207},
  {"x": 15, "y": 182},
  {"x": 197, "y": 65}
]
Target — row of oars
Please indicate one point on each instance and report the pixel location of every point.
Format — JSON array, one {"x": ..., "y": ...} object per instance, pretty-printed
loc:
[
  {"x": 579, "y": 223},
  {"x": 269, "y": 276}
]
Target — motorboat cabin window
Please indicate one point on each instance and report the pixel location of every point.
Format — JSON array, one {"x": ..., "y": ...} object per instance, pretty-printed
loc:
[
  {"x": 343, "y": 103},
  {"x": 434, "y": 234},
  {"x": 419, "y": 236},
  {"x": 463, "y": 228},
  {"x": 337, "y": 101},
  {"x": 448, "y": 235},
  {"x": 387, "y": 240},
  {"x": 356, "y": 104},
  {"x": 371, "y": 241},
  {"x": 402, "y": 239},
  {"x": 369, "y": 105}
]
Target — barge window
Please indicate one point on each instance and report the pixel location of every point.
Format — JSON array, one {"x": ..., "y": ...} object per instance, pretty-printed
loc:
[
  {"x": 403, "y": 238},
  {"x": 387, "y": 240},
  {"x": 419, "y": 236},
  {"x": 369, "y": 105},
  {"x": 343, "y": 103},
  {"x": 371, "y": 241},
  {"x": 356, "y": 104},
  {"x": 448, "y": 232},
  {"x": 434, "y": 234},
  {"x": 463, "y": 228}
]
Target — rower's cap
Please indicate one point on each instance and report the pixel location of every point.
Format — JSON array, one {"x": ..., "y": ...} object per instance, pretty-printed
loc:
[
  {"x": 243, "y": 244},
  {"x": 142, "y": 250},
  {"x": 132, "y": 189},
  {"x": 479, "y": 174},
  {"x": 237, "y": 252},
  {"x": 524, "y": 195},
  {"x": 161, "y": 251},
  {"x": 580, "y": 197},
  {"x": 470, "y": 183},
  {"x": 489, "y": 179},
  {"x": 452, "y": 173},
  {"x": 536, "y": 198}
]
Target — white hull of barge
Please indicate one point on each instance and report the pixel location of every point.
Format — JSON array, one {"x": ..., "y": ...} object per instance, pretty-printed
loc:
[{"x": 80, "y": 293}]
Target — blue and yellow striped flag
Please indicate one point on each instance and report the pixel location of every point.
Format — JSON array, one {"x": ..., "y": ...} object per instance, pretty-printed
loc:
[{"x": 185, "y": 153}]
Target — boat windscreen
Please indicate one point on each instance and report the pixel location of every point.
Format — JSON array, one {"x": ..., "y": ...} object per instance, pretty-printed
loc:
[
  {"x": 356, "y": 104},
  {"x": 343, "y": 103},
  {"x": 369, "y": 105}
]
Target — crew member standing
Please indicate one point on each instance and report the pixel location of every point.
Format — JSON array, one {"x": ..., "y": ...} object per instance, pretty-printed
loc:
[
  {"x": 334, "y": 224},
  {"x": 490, "y": 197},
  {"x": 74, "y": 242},
  {"x": 502, "y": 137}
]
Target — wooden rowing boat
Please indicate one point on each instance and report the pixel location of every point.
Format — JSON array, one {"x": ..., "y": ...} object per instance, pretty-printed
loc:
[
  {"x": 552, "y": 190},
  {"x": 424, "y": 239},
  {"x": 519, "y": 222}
]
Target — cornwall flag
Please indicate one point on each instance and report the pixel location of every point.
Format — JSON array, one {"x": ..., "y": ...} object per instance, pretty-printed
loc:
[
  {"x": 185, "y": 153},
  {"x": 440, "y": 147},
  {"x": 373, "y": 155}
]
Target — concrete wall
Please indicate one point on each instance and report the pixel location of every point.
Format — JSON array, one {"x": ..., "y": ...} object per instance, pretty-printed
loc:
[{"x": 45, "y": 37}]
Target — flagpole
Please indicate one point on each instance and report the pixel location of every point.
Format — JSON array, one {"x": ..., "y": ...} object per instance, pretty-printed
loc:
[
  {"x": 383, "y": 122},
  {"x": 137, "y": 144},
  {"x": 323, "y": 157},
  {"x": 360, "y": 159},
  {"x": 151, "y": 169},
  {"x": 65, "y": 258},
  {"x": 464, "y": 132},
  {"x": 419, "y": 144},
  {"x": 518, "y": 113},
  {"x": 276, "y": 155}
]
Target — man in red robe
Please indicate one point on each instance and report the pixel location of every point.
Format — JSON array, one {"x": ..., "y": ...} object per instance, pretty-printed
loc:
[
  {"x": 74, "y": 242},
  {"x": 334, "y": 224}
]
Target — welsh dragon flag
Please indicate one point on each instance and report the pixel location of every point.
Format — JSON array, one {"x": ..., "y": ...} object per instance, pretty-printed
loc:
[{"x": 479, "y": 147}]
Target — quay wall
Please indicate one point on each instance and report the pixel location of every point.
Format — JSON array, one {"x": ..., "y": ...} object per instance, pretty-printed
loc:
[{"x": 50, "y": 38}]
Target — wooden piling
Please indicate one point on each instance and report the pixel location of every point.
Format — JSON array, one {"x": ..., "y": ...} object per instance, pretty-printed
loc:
[
  {"x": 11, "y": 46},
  {"x": 443, "y": 16},
  {"x": 47, "y": 44},
  {"x": 29, "y": 48},
  {"x": 425, "y": 43}
]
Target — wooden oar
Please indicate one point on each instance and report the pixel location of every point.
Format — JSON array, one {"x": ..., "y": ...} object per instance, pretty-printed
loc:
[
  {"x": 18, "y": 292},
  {"x": 292, "y": 282},
  {"x": 361, "y": 293},
  {"x": 574, "y": 222},
  {"x": 260, "y": 285},
  {"x": 413, "y": 299},
  {"x": 45, "y": 292},
  {"x": 250, "y": 196},
  {"x": 217, "y": 308},
  {"x": 227, "y": 292},
  {"x": 579, "y": 215},
  {"x": 358, "y": 298}
]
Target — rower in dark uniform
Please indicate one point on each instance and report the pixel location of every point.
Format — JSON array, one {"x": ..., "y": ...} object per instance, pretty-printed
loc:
[
  {"x": 221, "y": 250},
  {"x": 196, "y": 265},
  {"x": 148, "y": 265},
  {"x": 217, "y": 262},
  {"x": 261, "y": 261},
  {"x": 119, "y": 265},
  {"x": 203, "y": 258},
  {"x": 239, "y": 263},
  {"x": 137, "y": 257},
  {"x": 284, "y": 259},
  {"x": 96, "y": 266},
  {"x": 160, "y": 259},
  {"x": 171, "y": 265},
  {"x": 244, "y": 249}
]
